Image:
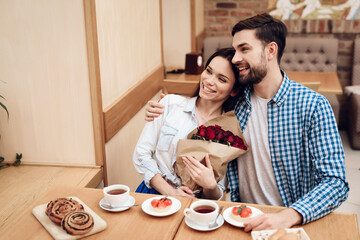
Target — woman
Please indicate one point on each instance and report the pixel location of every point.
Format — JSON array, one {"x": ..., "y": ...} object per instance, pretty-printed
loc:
[{"x": 155, "y": 153}]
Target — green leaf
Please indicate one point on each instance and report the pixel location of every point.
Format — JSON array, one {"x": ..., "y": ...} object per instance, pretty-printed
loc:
[
  {"x": 18, "y": 158},
  {"x": 4, "y": 165},
  {"x": 2, "y": 159},
  {"x": 241, "y": 208}
]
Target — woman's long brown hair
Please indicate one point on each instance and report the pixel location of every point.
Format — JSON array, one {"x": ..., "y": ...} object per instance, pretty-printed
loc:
[{"x": 228, "y": 54}]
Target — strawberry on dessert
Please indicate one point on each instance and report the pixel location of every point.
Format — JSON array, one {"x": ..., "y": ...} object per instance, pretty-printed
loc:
[
  {"x": 241, "y": 213},
  {"x": 162, "y": 204}
]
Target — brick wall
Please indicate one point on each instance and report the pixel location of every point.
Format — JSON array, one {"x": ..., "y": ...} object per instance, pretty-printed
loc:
[{"x": 221, "y": 15}]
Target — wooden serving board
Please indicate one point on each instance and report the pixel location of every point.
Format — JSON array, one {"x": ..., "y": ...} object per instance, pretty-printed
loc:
[{"x": 60, "y": 234}]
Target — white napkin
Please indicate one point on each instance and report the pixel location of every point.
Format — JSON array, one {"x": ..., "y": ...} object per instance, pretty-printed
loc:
[{"x": 352, "y": 90}]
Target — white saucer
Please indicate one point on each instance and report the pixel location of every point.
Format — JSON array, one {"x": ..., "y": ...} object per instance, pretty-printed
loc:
[
  {"x": 147, "y": 208},
  {"x": 227, "y": 215},
  {"x": 193, "y": 225},
  {"x": 128, "y": 204}
]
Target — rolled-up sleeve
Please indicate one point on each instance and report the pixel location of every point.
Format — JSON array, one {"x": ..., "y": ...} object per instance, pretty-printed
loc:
[{"x": 221, "y": 186}]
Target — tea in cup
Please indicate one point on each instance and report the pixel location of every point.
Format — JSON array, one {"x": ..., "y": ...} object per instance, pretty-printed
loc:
[
  {"x": 202, "y": 212},
  {"x": 116, "y": 195}
]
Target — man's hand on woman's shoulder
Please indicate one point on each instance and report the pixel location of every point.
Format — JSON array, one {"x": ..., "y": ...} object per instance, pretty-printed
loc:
[{"x": 154, "y": 109}]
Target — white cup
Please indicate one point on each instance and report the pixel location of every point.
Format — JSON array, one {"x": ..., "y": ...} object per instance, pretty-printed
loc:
[
  {"x": 196, "y": 212},
  {"x": 113, "y": 197}
]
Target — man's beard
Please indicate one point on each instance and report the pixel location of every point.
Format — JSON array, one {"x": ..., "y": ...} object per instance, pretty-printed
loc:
[{"x": 256, "y": 73}]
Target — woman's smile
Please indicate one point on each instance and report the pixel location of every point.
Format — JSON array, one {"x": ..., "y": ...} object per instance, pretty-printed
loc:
[{"x": 207, "y": 89}]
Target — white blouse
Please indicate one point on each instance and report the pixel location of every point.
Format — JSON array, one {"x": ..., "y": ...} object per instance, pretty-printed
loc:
[{"x": 156, "y": 149}]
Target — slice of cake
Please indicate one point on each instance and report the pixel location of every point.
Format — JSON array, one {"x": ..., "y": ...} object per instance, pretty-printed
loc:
[
  {"x": 161, "y": 205},
  {"x": 241, "y": 213}
]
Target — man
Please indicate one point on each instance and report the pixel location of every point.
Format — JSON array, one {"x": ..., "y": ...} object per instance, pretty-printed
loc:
[
  {"x": 296, "y": 158},
  {"x": 290, "y": 128}
]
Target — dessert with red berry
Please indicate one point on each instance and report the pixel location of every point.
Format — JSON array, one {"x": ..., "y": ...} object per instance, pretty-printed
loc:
[
  {"x": 161, "y": 205},
  {"x": 241, "y": 213}
]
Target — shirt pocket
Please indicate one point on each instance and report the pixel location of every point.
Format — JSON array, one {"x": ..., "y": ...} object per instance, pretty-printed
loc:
[{"x": 167, "y": 135}]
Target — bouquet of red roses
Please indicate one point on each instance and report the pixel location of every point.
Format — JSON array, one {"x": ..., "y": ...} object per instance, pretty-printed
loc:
[
  {"x": 215, "y": 133},
  {"x": 221, "y": 138}
]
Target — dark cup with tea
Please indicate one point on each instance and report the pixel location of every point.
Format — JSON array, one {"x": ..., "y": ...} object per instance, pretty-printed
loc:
[
  {"x": 116, "y": 195},
  {"x": 202, "y": 212}
]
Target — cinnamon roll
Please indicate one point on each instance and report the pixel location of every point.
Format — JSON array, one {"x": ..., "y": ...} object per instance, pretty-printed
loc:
[
  {"x": 77, "y": 223},
  {"x": 57, "y": 209}
]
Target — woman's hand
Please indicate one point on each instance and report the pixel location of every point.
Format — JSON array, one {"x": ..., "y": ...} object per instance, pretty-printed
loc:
[
  {"x": 202, "y": 175},
  {"x": 164, "y": 188},
  {"x": 184, "y": 191},
  {"x": 154, "y": 109}
]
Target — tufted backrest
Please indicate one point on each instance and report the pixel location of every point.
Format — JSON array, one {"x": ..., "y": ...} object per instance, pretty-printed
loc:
[
  {"x": 356, "y": 63},
  {"x": 310, "y": 54},
  {"x": 302, "y": 54}
]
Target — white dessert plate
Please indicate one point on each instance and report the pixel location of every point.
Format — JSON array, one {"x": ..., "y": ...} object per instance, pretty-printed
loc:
[
  {"x": 265, "y": 234},
  {"x": 227, "y": 215},
  {"x": 147, "y": 208},
  {"x": 193, "y": 225},
  {"x": 127, "y": 205}
]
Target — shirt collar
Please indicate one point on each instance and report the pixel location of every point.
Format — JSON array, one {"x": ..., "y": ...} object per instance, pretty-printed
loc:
[
  {"x": 190, "y": 105},
  {"x": 284, "y": 90},
  {"x": 280, "y": 96}
]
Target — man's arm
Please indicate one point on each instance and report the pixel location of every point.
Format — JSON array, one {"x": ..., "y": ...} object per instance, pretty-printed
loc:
[
  {"x": 283, "y": 219},
  {"x": 328, "y": 166}
]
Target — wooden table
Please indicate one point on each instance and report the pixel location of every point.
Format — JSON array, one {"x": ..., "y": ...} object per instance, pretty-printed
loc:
[
  {"x": 135, "y": 224},
  {"x": 329, "y": 82},
  {"x": 334, "y": 226},
  {"x": 23, "y": 184},
  {"x": 130, "y": 224}
]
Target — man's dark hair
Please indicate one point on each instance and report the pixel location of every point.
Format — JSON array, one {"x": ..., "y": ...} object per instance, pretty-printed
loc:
[{"x": 267, "y": 29}]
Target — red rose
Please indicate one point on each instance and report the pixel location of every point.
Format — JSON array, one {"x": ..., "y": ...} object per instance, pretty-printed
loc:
[
  {"x": 216, "y": 133},
  {"x": 217, "y": 127},
  {"x": 211, "y": 132},
  {"x": 230, "y": 137},
  {"x": 239, "y": 143},
  {"x": 220, "y": 135},
  {"x": 202, "y": 131}
]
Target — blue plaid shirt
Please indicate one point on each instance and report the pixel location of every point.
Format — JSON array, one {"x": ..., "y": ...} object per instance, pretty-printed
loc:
[{"x": 305, "y": 149}]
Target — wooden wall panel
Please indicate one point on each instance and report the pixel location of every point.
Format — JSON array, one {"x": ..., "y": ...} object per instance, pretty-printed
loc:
[
  {"x": 129, "y": 36},
  {"x": 125, "y": 108},
  {"x": 176, "y": 31},
  {"x": 44, "y": 77},
  {"x": 120, "y": 149},
  {"x": 131, "y": 70}
]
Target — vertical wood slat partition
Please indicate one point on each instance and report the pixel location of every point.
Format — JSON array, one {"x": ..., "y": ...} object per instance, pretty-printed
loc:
[
  {"x": 95, "y": 85},
  {"x": 196, "y": 36},
  {"x": 193, "y": 27}
]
